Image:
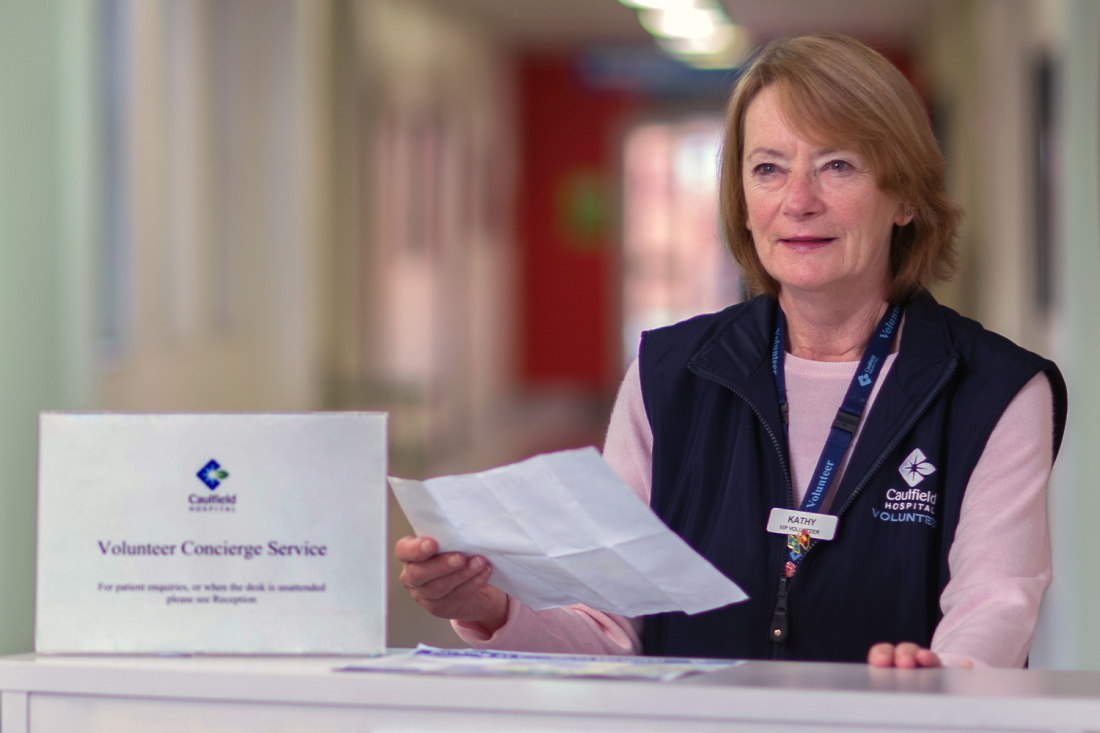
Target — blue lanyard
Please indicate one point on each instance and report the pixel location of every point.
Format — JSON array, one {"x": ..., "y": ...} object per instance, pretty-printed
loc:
[{"x": 851, "y": 409}]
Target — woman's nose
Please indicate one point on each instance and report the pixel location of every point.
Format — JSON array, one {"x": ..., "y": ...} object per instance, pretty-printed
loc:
[{"x": 803, "y": 197}]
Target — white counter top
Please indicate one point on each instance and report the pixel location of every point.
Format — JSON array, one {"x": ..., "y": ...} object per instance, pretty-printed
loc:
[{"x": 281, "y": 689}]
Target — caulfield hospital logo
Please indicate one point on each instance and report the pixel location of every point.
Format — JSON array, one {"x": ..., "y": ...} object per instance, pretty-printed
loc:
[
  {"x": 913, "y": 469},
  {"x": 212, "y": 475},
  {"x": 913, "y": 504}
]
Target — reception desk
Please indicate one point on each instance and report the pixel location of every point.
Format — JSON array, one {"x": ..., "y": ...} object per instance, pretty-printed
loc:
[{"x": 75, "y": 694}]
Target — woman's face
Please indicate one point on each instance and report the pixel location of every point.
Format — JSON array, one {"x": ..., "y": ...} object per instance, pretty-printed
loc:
[{"x": 818, "y": 219}]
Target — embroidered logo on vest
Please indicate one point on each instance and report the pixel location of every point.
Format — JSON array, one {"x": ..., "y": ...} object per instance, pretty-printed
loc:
[
  {"x": 911, "y": 505},
  {"x": 915, "y": 467}
]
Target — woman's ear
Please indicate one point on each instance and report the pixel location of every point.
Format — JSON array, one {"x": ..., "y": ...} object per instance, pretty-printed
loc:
[{"x": 905, "y": 214}]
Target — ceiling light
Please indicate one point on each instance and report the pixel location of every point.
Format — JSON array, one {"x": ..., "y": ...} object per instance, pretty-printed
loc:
[
  {"x": 716, "y": 42},
  {"x": 724, "y": 49},
  {"x": 660, "y": 4},
  {"x": 696, "y": 32},
  {"x": 689, "y": 23}
]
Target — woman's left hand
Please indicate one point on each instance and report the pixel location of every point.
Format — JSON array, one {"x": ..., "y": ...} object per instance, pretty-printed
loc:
[{"x": 906, "y": 655}]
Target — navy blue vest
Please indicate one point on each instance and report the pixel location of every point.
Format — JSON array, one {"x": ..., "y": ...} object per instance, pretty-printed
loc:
[{"x": 719, "y": 467}]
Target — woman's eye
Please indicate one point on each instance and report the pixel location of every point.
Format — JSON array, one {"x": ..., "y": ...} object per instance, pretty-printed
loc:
[
  {"x": 838, "y": 165},
  {"x": 764, "y": 169}
]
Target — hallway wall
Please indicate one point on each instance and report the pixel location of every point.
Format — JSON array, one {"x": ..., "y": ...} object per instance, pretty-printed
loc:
[{"x": 36, "y": 358}]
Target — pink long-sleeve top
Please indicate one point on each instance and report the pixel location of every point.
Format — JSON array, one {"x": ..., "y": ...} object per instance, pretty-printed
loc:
[{"x": 1000, "y": 560}]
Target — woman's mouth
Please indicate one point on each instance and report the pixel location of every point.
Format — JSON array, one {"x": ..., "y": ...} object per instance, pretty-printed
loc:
[{"x": 806, "y": 243}]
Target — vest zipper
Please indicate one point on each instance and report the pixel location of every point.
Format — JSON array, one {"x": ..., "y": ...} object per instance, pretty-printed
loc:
[
  {"x": 777, "y": 632},
  {"x": 767, "y": 427}
]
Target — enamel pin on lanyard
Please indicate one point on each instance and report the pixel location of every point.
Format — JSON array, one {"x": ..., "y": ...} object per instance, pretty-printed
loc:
[{"x": 808, "y": 523}]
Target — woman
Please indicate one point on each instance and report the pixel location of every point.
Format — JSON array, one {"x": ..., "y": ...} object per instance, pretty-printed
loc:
[{"x": 938, "y": 436}]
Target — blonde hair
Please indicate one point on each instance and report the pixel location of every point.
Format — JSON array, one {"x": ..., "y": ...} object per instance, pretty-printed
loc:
[{"x": 838, "y": 91}]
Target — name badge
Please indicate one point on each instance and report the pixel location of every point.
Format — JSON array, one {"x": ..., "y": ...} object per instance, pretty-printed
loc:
[{"x": 791, "y": 521}]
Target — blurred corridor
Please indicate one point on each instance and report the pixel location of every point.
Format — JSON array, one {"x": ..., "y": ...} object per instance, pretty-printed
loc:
[{"x": 464, "y": 212}]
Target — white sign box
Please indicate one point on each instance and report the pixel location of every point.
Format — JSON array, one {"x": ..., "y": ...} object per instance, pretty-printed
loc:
[{"x": 233, "y": 534}]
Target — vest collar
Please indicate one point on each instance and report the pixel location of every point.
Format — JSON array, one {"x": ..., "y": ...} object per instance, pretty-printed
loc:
[
  {"x": 738, "y": 356},
  {"x": 741, "y": 347}
]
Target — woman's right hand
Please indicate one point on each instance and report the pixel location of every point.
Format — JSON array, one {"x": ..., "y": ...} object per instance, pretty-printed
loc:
[{"x": 450, "y": 585}]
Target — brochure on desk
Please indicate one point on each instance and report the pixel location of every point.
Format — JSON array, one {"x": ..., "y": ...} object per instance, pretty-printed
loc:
[{"x": 246, "y": 534}]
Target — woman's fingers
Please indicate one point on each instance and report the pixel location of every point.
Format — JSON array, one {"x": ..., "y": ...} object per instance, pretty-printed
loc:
[
  {"x": 928, "y": 658},
  {"x": 443, "y": 585},
  {"x": 415, "y": 549},
  {"x": 465, "y": 595},
  {"x": 463, "y": 601},
  {"x": 449, "y": 584},
  {"x": 881, "y": 655},
  {"x": 420, "y": 563},
  {"x": 417, "y": 574},
  {"x": 905, "y": 655}
]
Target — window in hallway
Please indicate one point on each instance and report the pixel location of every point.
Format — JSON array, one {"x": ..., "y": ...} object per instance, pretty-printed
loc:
[{"x": 674, "y": 262}]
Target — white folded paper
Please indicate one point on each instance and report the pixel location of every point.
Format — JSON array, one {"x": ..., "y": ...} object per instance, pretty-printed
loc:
[{"x": 563, "y": 528}]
